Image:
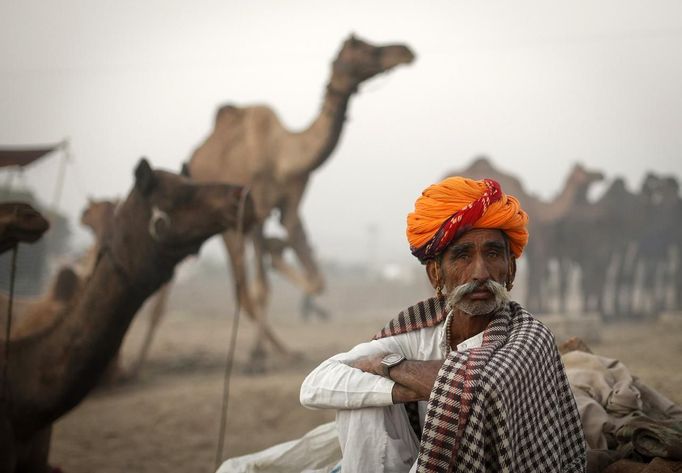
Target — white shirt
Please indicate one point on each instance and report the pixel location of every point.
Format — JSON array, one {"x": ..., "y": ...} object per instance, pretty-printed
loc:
[{"x": 336, "y": 385}]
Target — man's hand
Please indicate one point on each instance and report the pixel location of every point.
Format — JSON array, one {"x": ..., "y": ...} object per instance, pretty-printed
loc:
[
  {"x": 413, "y": 379},
  {"x": 369, "y": 364}
]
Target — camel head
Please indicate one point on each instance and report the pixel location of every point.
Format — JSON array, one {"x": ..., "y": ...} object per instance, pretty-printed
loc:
[
  {"x": 360, "y": 60},
  {"x": 583, "y": 178},
  {"x": 659, "y": 189},
  {"x": 617, "y": 187},
  {"x": 180, "y": 214},
  {"x": 20, "y": 222},
  {"x": 98, "y": 215}
]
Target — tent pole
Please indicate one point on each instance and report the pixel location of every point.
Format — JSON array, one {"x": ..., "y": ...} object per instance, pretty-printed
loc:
[{"x": 60, "y": 174}]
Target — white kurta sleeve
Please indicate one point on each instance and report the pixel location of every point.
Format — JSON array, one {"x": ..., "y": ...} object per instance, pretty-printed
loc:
[{"x": 335, "y": 385}]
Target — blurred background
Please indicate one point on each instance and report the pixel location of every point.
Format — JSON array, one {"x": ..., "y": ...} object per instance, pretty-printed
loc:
[{"x": 525, "y": 89}]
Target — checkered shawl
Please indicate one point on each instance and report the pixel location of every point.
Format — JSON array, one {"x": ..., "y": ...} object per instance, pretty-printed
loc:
[{"x": 505, "y": 406}]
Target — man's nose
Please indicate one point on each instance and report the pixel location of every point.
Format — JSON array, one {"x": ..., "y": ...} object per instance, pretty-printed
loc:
[{"x": 480, "y": 270}]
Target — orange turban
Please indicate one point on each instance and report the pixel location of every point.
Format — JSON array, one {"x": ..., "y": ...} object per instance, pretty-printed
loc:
[{"x": 455, "y": 205}]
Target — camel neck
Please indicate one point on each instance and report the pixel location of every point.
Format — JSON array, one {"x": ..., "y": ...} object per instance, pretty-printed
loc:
[
  {"x": 324, "y": 132},
  {"x": 69, "y": 357},
  {"x": 561, "y": 204}
]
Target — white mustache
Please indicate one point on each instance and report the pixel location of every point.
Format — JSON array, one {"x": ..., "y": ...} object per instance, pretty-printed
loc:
[
  {"x": 498, "y": 291},
  {"x": 494, "y": 287}
]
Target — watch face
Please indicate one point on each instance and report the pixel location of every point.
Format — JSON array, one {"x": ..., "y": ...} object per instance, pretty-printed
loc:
[{"x": 392, "y": 358}]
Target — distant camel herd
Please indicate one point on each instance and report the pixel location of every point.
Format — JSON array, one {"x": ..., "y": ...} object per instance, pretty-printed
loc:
[{"x": 625, "y": 247}]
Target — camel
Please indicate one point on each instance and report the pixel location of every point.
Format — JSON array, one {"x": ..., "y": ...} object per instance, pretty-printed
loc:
[
  {"x": 251, "y": 147},
  {"x": 33, "y": 314},
  {"x": 593, "y": 237},
  {"x": 164, "y": 219},
  {"x": 20, "y": 222},
  {"x": 541, "y": 215},
  {"x": 660, "y": 231}
]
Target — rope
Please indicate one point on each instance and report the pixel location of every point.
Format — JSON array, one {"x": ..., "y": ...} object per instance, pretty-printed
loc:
[
  {"x": 229, "y": 361},
  {"x": 8, "y": 328}
]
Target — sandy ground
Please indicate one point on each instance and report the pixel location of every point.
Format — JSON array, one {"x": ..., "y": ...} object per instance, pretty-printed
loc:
[{"x": 168, "y": 418}]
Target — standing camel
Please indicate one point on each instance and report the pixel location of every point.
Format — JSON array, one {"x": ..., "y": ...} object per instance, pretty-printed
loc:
[
  {"x": 593, "y": 237},
  {"x": 164, "y": 219},
  {"x": 658, "y": 237},
  {"x": 251, "y": 147}
]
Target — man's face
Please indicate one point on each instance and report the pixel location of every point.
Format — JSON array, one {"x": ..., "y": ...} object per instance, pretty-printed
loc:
[{"x": 477, "y": 257}]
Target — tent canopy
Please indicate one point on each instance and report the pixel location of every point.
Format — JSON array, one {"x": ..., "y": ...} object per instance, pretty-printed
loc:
[{"x": 24, "y": 156}]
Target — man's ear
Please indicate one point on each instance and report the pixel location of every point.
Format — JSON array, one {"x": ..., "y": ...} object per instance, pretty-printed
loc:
[
  {"x": 511, "y": 273},
  {"x": 144, "y": 177},
  {"x": 433, "y": 272}
]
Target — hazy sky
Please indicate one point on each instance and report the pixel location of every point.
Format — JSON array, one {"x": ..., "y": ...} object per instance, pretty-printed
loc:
[{"x": 536, "y": 85}]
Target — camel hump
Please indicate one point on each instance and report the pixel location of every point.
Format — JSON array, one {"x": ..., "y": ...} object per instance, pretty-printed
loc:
[{"x": 227, "y": 112}]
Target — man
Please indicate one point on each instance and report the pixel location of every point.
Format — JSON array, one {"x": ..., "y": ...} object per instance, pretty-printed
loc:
[{"x": 491, "y": 390}]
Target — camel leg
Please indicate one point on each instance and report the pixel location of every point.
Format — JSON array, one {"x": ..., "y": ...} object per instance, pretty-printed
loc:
[
  {"x": 234, "y": 243},
  {"x": 298, "y": 239},
  {"x": 157, "y": 312},
  {"x": 536, "y": 270},
  {"x": 299, "y": 243},
  {"x": 260, "y": 289},
  {"x": 592, "y": 276},
  {"x": 678, "y": 277},
  {"x": 621, "y": 284},
  {"x": 308, "y": 306},
  {"x": 565, "y": 267},
  {"x": 279, "y": 264},
  {"x": 275, "y": 248}
]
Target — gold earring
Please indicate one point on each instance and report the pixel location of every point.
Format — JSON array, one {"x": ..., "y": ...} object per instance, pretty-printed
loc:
[{"x": 439, "y": 288}]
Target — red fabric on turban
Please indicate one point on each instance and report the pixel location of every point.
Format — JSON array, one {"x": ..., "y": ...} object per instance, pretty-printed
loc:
[{"x": 455, "y": 205}]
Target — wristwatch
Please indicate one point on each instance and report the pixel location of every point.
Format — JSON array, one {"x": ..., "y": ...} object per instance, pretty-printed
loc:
[{"x": 389, "y": 361}]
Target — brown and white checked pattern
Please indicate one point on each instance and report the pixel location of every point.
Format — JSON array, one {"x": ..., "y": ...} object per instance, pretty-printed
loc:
[{"x": 505, "y": 406}]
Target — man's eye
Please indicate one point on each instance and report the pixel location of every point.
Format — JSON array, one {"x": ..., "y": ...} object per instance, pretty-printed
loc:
[{"x": 493, "y": 254}]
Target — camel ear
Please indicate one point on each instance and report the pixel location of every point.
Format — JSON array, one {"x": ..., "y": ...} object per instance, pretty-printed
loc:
[
  {"x": 185, "y": 170},
  {"x": 144, "y": 177},
  {"x": 66, "y": 286}
]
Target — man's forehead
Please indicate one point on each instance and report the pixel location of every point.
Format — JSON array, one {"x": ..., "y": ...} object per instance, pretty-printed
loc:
[{"x": 480, "y": 236}]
